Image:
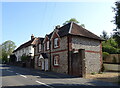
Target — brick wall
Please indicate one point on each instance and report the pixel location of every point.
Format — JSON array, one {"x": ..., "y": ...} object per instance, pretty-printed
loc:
[
  {"x": 63, "y": 56},
  {"x": 92, "y": 52}
]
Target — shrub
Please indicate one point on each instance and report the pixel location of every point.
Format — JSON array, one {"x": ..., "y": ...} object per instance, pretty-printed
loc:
[
  {"x": 118, "y": 51},
  {"x": 24, "y": 58},
  {"x": 105, "y": 54},
  {"x": 109, "y": 49},
  {"x": 93, "y": 73}
]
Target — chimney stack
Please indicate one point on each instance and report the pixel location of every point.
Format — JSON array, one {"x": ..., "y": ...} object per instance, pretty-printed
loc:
[
  {"x": 32, "y": 36},
  {"x": 57, "y": 27}
]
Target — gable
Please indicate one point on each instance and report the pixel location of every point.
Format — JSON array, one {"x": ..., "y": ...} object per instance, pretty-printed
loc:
[
  {"x": 78, "y": 30},
  {"x": 75, "y": 29},
  {"x": 55, "y": 35},
  {"x": 45, "y": 39}
]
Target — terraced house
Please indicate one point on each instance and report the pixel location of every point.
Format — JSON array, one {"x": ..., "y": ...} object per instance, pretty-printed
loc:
[{"x": 70, "y": 49}]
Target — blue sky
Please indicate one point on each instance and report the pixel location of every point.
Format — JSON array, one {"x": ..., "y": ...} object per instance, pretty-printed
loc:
[{"x": 21, "y": 19}]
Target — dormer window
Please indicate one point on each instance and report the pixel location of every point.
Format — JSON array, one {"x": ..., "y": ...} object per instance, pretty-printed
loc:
[
  {"x": 39, "y": 47},
  {"x": 56, "y": 42},
  {"x": 47, "y": 45}
]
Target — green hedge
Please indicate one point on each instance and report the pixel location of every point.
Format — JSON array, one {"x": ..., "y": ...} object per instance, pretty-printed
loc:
[{"x": 110, "y": 49}]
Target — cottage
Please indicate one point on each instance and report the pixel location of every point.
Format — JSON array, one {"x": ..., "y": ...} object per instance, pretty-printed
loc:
[
  {"x": 69, "y": 49},
  {"x": 26, "y": 49}
]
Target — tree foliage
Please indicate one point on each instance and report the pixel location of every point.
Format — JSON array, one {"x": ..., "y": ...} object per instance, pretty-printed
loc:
[
  {"x": 110, "y": 46},
  {"x": 117, "y": 22},
  {"x": 105, "y": 54},
  {"x": 73, "y": 20},
  {"x": 6, "y": 49},
  {"x": 117, "y": 14},
  {"x": 104, "y": 35}
]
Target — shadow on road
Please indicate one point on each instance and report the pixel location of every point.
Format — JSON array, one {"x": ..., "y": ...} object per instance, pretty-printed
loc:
[
  {"x": 61, "y": 86},
  {"x": 42, "y": 74},
  {"x": 33, "y": 72}
]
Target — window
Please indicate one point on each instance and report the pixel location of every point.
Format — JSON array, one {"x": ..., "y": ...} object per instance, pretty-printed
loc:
[
  {"x": 56, "y": 60},
  {"x": 47, "y": 45},
  {"x": 39, "y": 47},
  {"x": 56, "y": 43}
]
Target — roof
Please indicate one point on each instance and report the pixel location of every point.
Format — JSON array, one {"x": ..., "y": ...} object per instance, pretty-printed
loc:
[
  {"x": 40, "y": 39},
  {"x": 30, "y": 42},
  {"x": 50, "y": 35},
  {"x": 75, "y": 29}
]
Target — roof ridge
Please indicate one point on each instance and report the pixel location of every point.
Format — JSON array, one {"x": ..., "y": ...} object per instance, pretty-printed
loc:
[{"x": 71, "y": 23}]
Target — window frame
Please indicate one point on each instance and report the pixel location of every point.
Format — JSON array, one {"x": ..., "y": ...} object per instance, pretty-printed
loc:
[
  {"x": 47, "y": 45},
  {"x": 40, "y": 47},
  {"x": 54, "y": 43},
  {"x": 56, "y": 57}
]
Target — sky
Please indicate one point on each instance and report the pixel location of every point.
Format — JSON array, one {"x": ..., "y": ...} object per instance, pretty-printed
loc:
[{"x": 22, "y": 19}]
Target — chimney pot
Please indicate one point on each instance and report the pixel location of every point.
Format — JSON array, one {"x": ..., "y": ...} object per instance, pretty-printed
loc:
[
  {"x": 32, "y": 36},
  {"x": 57, "y": 27}
]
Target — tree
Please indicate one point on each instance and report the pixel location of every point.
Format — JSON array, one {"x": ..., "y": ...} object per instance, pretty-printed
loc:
[
  {"x": 8, "y": 46},
  {"x": 6, "y": 49},
  {"x": 104, "y": 35},
  {"x": 73, "y": 20},
  {"x": 117, "y": 14},
  {"x": 117, "y": 22}
]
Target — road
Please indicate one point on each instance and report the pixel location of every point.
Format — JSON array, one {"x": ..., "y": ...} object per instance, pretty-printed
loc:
[{"x": 18, "y": 77}]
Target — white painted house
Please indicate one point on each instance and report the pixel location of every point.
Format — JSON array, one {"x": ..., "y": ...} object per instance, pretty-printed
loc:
[{"x": 26, "y": 49}]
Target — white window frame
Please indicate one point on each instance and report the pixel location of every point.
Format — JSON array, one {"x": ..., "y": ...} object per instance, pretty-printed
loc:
[
  {"x": 40, "y": 47},
  {"x": 56, "y": 60},
  {"x": 47, "y": 45},
  {"x": 56, "y": 42}
]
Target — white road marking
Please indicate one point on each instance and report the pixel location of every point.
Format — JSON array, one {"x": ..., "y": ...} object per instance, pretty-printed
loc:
[
  {"x": 23, "y": 76},
  {"x": 44, "y": 84},
  {"x": 9, "y": 70}
]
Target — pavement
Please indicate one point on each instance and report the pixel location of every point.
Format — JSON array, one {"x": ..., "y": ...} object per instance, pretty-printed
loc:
[{"x": 18, "y": 77}]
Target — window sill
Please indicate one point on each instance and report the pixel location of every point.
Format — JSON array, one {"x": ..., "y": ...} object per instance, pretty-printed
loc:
[{"x": 56, "y": 47}]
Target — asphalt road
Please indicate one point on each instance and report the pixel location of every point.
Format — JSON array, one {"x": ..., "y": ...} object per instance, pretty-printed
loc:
[{"x": 18, "y": 77}]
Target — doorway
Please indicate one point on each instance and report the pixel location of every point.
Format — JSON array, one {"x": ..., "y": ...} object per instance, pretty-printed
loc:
[{"x": 78, "y": 63}]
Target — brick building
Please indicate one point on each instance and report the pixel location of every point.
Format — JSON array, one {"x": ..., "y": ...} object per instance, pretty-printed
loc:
[{"x": 69, "y": 49}]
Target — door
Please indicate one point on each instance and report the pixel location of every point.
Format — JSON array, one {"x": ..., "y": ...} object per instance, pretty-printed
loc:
[
  {"x": 77, "y": 63},
  {"x": 46, "y": 64},
  {"x": 43, "y": 64}
]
